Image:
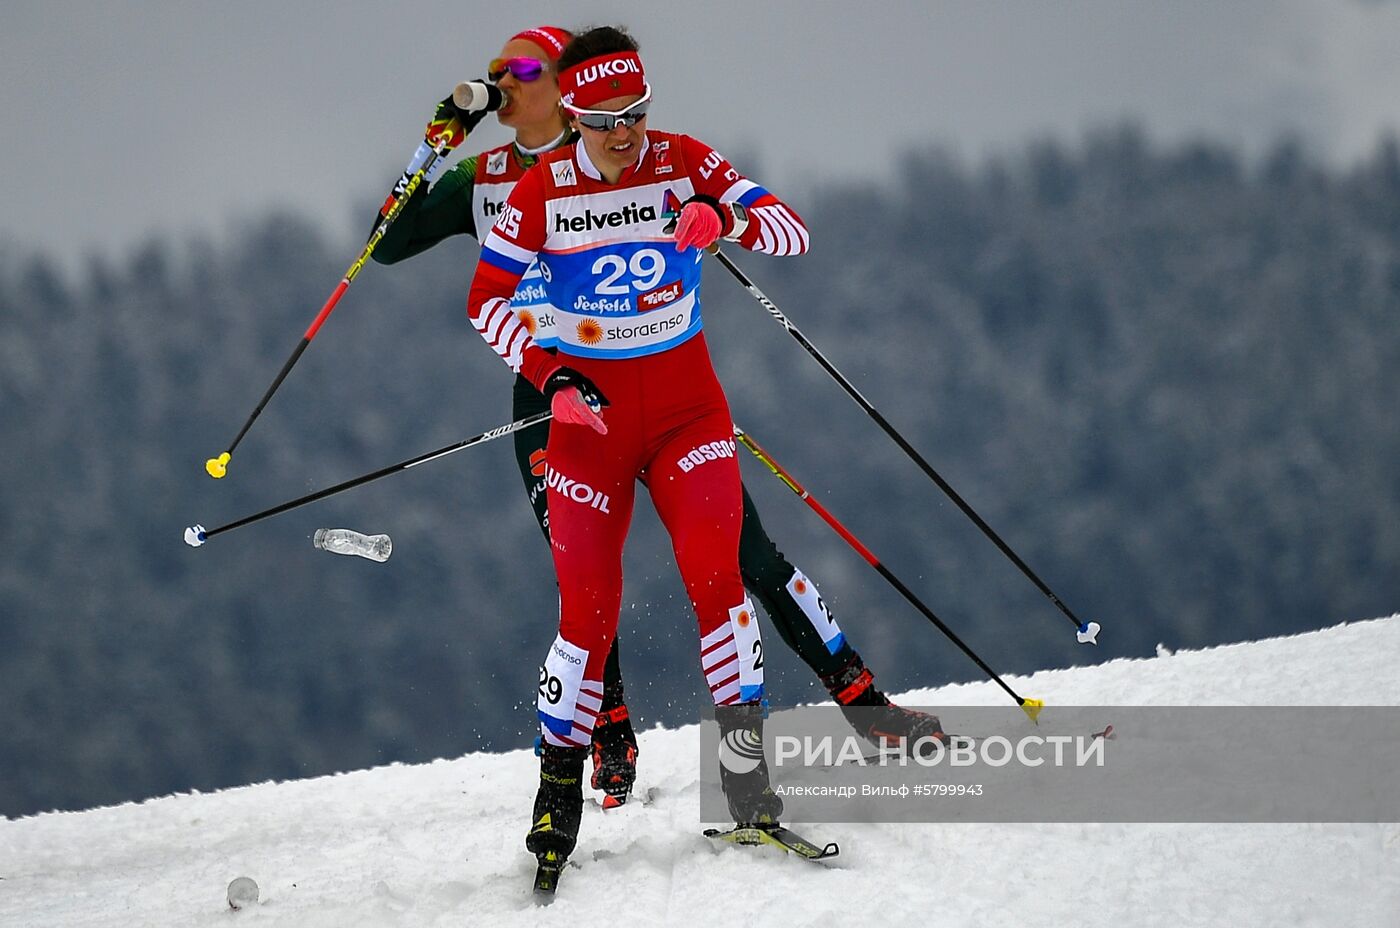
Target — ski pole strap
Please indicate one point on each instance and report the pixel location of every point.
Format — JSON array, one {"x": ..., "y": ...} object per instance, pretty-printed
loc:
[{"x": 612, "y": 716}]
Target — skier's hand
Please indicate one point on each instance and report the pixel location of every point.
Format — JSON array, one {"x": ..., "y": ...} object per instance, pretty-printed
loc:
[
  {"x": 575, "y": 400},
  {"x": 703, "y": 220},
  {"x": 451, "y": 123},
  {"x": 488, "y": 99}
]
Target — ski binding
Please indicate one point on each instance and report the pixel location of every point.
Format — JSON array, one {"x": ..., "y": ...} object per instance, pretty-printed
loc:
[
  {"x": 547, "y": 876},
  {"x": 774, "y": 836}
]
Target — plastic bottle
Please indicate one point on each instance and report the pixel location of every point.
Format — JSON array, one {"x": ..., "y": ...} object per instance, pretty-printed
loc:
[
  {"x": 345, "y": 541},
  {"x": 475, "y": 96}
]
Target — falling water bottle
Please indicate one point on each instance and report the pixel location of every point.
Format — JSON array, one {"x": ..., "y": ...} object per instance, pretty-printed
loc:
[{"x": 345, "y": 541}]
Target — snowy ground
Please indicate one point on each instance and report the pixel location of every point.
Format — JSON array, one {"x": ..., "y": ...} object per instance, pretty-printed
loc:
[{"x": 442, "y": 843}]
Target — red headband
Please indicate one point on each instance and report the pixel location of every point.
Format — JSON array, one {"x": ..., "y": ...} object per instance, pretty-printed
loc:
[
  {"x": 550, "y": 39},
  {"x": 590, "y": 82}
]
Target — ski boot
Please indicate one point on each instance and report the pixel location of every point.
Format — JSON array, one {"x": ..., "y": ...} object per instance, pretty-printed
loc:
[
  {"x": 743, "y": 769},
  {"x": 558, "y": 808},
  {"x": 614, "y": 754},
  {"x": 743, "y": 775},
  {"x": 878, "y": 720}
]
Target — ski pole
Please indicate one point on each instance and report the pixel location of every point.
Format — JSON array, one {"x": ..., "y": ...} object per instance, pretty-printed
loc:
[
  {"x": 1085, "y": 632},
  {"x": 197, "y": 535},
  {"x": 403, "y": 190},
  {"x": 1031, "y": 707}
]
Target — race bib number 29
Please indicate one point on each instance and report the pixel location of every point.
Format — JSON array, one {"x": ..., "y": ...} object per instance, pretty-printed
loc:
[{"x": 560, "y": 679}]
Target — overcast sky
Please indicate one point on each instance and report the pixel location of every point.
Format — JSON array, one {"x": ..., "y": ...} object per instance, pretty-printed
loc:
[{"x": 129, "y": 119}]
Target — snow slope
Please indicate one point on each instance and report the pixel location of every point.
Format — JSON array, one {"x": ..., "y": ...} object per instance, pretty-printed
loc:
[{"x": 442, "y": 843}]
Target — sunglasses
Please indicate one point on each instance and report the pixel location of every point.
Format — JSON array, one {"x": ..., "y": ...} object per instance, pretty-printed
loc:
[
  {"x": 522, "y": 69},
  {"x": 607, "y": 120}
]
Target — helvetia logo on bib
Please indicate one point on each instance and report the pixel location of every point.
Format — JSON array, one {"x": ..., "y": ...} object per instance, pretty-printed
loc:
[{"x": 629, "y": 215}]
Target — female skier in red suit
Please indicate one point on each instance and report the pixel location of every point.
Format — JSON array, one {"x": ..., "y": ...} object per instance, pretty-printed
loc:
[{"x": 618, "y": 223}]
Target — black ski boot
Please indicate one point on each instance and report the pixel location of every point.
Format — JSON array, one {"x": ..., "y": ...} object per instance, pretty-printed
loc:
[
  {"x": 614, "y": 753},
  {"x": 558, "y": 808},
  {"x": 871, "y": 713},
  {"x": 743, "y": 769}
]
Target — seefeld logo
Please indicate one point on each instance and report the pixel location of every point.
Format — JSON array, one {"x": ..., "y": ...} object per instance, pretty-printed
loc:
[
  {"x": 578, "y": 492},
  {"x": 529, "y": 293},
  {"x": 583, "y": 304}
]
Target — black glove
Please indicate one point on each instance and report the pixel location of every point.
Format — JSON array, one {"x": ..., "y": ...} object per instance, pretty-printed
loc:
[{"x": 568, "y": 377}]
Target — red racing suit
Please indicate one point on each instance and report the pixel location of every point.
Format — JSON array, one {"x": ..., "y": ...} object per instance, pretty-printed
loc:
[{"x": 627, "y": 308}]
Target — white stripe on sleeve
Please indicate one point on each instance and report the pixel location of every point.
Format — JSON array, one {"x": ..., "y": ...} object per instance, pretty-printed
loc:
[{"x": 498, "y": 243}]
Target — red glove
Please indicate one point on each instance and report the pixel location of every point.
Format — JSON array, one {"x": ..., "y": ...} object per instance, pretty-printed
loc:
[
  {"x": 699, "y": 225},
  {"x": 703, "y": 220},
  {"x": 574, "y": 399}
]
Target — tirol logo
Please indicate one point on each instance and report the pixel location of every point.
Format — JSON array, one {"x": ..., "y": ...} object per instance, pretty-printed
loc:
[
  {"x": 607, "y": 69},
  {"x": 631, "y": 214},
  {"x": 659, "y": 297},
  {"x": 578, "y": 492},
  {"x": 710, "y": 451}
]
